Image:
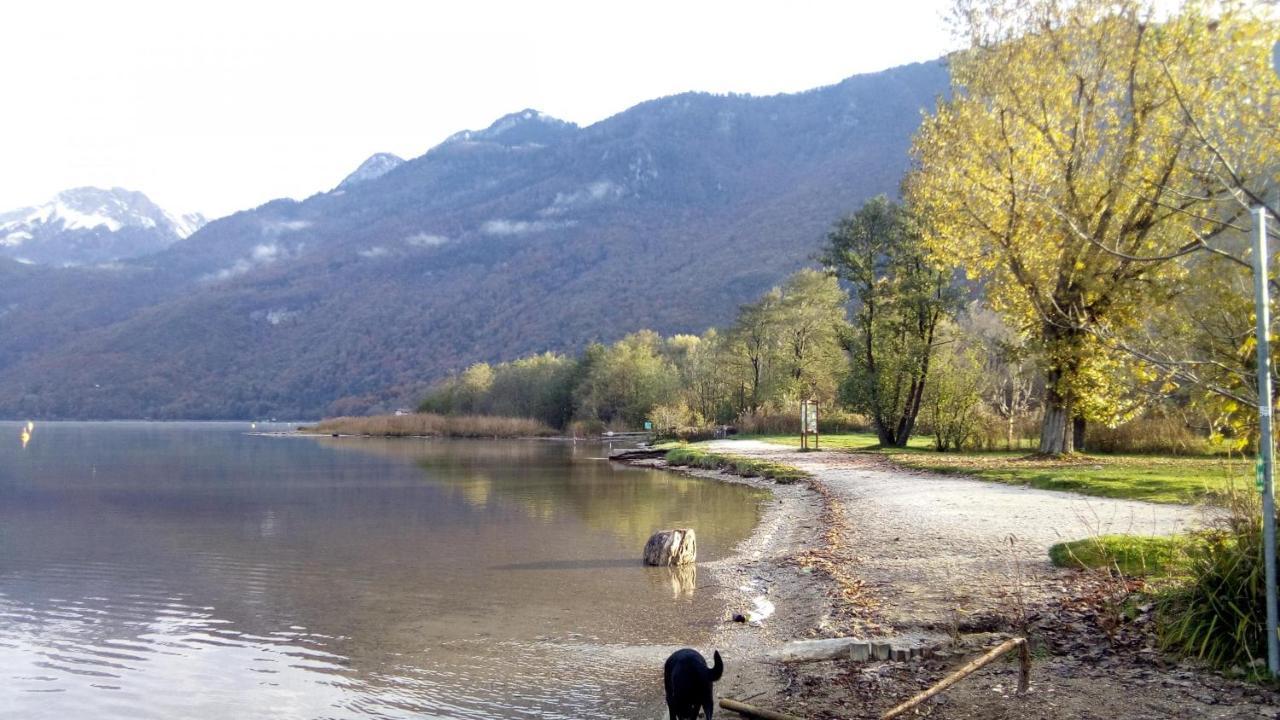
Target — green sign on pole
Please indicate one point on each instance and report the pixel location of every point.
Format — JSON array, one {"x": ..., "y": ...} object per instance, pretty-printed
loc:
[
  {"x": 1260, "y": 474},
  {"x": 648, "y": 425}
]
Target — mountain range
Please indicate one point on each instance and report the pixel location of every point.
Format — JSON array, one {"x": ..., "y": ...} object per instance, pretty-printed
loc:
[
  {"x": 532, "y": 234},
  {"x": 86, "y": 226}
]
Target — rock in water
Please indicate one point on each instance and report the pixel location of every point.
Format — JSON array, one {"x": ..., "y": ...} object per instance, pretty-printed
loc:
[{"x": 671, "y": 547}]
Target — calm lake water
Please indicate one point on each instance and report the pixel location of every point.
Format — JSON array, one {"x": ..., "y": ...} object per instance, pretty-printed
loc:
[{"x": 197, "y": 571}]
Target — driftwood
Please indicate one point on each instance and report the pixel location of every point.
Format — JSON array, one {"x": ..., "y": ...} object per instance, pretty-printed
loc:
[
  {"x": 752, "y": 711},
  {"x": 671, "y": 547},
  {"x": 995, "y": 653}
]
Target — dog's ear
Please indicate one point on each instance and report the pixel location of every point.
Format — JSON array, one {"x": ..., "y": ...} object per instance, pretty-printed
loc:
[{"x": 717, "y": 667}]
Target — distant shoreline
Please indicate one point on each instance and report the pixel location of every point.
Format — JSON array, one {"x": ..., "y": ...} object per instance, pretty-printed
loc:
[{"x": 432, "y": 425}]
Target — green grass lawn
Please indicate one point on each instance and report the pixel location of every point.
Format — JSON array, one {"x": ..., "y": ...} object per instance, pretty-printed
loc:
[
  {"x": 1132, "y": 555},
  {"x": 1154, "y": 478}
]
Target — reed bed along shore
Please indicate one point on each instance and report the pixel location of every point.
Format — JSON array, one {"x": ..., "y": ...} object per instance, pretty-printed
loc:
[{"x": 432, "y": 425}]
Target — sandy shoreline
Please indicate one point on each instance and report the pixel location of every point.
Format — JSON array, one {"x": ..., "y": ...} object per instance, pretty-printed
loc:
[{"x": 765, "y": 565}]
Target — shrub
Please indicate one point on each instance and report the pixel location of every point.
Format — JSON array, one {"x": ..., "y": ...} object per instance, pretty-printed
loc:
[
  {"x": 696, "y": 434},
  {"x": 669, "y": 418},
  {"x": 831, "y": 421},
  {"x": 990, "y": 431},
  {"x": 1219, "y": 614},
  {"x": 952, "y": 398},
  {"x": 586, "y": 428},
  {"x": 1149, "y": 434}
]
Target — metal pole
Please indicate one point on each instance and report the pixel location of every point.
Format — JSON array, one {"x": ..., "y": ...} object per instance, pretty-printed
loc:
[{"x": 1266, "y": 444}]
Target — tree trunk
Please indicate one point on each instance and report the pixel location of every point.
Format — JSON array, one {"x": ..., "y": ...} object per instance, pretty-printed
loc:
[
  {"x": 755, "y": 385},
  {"x": 1077, "y": 434},
  {"x": 907, "y": 424},
  {"x": 884, "y": 431},
  {"x": 916, "y": 393},
  {"x": 671, "y": 547},
  {"x": 1056, "y": 428}
]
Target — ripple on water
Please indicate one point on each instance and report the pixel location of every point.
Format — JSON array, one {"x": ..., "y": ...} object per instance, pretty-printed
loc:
[
  {"x": 156, "y": 596},
  {"x": 94, "y": 652}
]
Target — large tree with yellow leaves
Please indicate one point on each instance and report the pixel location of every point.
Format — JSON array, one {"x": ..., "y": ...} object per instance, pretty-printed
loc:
[{"x": 1089, "y": 148}]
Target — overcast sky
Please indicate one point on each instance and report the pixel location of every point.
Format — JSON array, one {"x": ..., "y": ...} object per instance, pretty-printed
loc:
[{"x": 224, "y": 105}]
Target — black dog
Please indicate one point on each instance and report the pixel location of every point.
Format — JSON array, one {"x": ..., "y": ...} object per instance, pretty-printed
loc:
[{"x": 687, "y": 680}]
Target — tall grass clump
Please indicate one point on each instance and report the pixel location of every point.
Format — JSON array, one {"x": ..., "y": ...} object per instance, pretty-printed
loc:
[
  {"x": 785, "y": 422},
  {"x": 1219, "y": 614},
  {"x": 433, "y": 425},
  {"x": 1148, "y": 435},
  {"x": 990, "y": 431}
]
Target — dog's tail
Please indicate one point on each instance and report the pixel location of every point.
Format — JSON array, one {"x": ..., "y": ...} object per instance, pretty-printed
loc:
[{"x": 717, "y": 667}]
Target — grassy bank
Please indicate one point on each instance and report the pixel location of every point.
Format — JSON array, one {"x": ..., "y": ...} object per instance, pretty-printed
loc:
[
  {"x": 1131, "y": 555},
  {"x": 1154, "y": 478},
  {"x": 1207, "y": 588},
  {"x": 431, "y": 425},
  {"x": 746, "y": 467}
]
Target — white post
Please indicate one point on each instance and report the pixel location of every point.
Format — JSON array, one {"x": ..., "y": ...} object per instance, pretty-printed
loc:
[{"x": 1266, "y": 444}]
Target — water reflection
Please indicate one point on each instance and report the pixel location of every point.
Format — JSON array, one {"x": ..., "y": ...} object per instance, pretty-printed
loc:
[
  {"x": 681, "y": 579},
  {"x": 195, "y": 571},
  {"x": 533, "y": 477}
]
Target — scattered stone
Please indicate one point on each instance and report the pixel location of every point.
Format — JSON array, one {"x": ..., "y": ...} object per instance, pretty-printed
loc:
[{"x": 671, "y": 547}]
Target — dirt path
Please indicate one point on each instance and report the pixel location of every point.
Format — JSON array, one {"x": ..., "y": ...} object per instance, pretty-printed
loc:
[
  {"x": 941, "y": 551},
  {"x": 945, "y": 558}
]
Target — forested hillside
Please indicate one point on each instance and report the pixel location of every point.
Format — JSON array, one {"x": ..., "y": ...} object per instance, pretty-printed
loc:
[{"x": 531, "y": 235}]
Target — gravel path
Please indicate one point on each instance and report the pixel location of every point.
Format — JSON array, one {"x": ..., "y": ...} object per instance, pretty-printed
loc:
[{"x": 939, "y": 552}]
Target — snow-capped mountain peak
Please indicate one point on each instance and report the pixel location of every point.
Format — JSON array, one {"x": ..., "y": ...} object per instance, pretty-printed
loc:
[
  {"x": 88, "y": 225},
  {"x": 376, "y": 166},
  {"x": 526, "y": 127}
]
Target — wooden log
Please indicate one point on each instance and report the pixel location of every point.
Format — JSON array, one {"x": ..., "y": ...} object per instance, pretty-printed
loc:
[
  {"x": 1024, "y": 668},
  {"x": 1024, "y": 673},
  {"x": 752, "y": 711},
  {"x": 671, "y": 547}
]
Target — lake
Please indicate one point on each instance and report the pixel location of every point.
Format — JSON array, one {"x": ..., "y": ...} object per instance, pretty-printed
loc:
[{"x": 196, "y": 570}]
